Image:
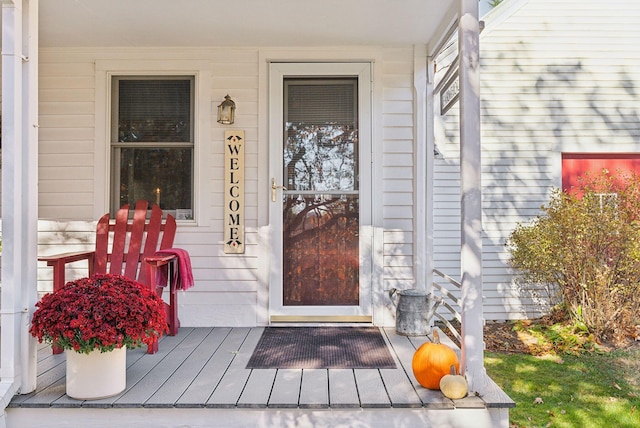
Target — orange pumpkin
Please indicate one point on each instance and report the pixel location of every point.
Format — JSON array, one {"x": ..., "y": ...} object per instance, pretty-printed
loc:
[{"x": 432, "y": 361}]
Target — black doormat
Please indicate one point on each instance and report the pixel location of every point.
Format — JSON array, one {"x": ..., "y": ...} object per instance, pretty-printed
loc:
[{"x": 321, "y": 348}]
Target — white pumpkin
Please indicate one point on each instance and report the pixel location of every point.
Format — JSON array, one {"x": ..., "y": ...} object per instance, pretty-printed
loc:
[{"x": 453, "y": 386}]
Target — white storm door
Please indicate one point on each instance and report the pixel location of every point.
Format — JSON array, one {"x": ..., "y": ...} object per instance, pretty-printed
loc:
[{"x": 320, "y": 205}]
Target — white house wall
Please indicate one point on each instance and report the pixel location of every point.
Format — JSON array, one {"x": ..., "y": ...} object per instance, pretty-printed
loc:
[
  {"x": 229, "y": 288},
  {"x": 397, "y": 167},
  {"x": 556, "y": 77}
]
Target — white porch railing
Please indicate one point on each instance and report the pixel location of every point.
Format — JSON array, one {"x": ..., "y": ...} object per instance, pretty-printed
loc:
[{"x": 449, "y": 302}]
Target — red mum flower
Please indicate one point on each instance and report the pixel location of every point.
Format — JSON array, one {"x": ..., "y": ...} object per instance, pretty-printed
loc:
[{"x": 96, "y": 313}]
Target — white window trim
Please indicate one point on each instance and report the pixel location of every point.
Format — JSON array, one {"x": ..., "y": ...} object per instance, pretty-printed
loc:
[{"x": 105, "y": 71}]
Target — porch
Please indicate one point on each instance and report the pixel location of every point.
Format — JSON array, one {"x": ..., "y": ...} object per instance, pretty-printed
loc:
[
  {"x": 57, "y": 139},
  {"x": 198, "y": 378}
]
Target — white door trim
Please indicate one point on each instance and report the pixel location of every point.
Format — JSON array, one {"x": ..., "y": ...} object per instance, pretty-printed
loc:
[{"x": 277, "y": 73}]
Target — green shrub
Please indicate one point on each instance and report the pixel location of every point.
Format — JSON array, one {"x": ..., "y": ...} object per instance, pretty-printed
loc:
[{"x": 584, "y": 251}]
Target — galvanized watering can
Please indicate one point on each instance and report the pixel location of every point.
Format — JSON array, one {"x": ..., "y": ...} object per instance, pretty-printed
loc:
[{"x": 413, "y": 311}]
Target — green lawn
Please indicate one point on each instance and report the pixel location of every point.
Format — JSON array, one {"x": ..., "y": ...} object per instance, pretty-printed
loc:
[{"x": 589, "y": 390}]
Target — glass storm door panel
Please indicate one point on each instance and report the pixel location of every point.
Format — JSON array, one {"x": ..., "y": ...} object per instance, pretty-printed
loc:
[
  {"x": 320, "y": 222},
  {"x": 320, "y": 211}
]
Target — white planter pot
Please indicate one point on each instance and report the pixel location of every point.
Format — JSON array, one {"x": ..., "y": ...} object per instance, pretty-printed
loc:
[{"x": 97, "y": 374}]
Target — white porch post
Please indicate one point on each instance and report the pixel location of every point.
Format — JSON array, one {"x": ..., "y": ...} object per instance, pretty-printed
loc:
[
  {"x": 471, "y": 215},
  {"x": 423, "y": 245},
  {"x": 19, "y": 195}
]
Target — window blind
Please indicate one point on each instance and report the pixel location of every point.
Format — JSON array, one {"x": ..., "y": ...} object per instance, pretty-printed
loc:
[
  {"x": 154, "y": 110},
  {"x": 320, "y": 101}
]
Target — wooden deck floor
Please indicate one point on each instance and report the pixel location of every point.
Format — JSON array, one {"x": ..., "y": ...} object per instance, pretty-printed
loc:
[{"x": 205, "y": 368}]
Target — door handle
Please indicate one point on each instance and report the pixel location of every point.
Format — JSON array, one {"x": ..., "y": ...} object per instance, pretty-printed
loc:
[{"x": 274, "y": 188}]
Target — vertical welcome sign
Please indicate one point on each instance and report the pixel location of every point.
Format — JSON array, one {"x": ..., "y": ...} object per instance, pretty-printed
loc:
[{"x": 234, "y": 192}]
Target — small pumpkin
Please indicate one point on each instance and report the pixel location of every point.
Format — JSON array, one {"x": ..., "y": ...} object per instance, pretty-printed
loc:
[
  {"x": 432, "y": 361},
  {"x": 453, "y": 385}
]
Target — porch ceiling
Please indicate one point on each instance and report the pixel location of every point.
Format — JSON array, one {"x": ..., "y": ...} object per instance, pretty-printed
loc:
[{"x": 171, "y": 23}]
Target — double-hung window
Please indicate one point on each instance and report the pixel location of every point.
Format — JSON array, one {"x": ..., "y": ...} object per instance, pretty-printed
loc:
[{"x": 152, "y": 142}]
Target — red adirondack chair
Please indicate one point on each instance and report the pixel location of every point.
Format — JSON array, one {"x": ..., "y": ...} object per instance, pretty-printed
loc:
[{"x": 133, "y": 245}]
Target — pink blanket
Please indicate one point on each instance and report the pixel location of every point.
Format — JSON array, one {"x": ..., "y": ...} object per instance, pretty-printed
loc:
[{"x": 185, "y": 274}]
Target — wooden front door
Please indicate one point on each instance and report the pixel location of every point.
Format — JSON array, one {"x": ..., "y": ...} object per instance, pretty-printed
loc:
[{"x": 317, "y": 196}]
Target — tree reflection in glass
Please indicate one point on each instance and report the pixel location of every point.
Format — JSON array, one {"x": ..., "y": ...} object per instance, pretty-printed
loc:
[{"x": 321, "y": 215}]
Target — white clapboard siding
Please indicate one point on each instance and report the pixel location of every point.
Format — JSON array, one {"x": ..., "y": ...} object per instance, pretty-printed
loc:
[
  {"x": 397, "y": 167},
  {"x": 556, "y": 77},
  {"x": 228, "y": 286},
  {"x": 226, "y": 291},
  {"x": 66, "y": 136}
]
